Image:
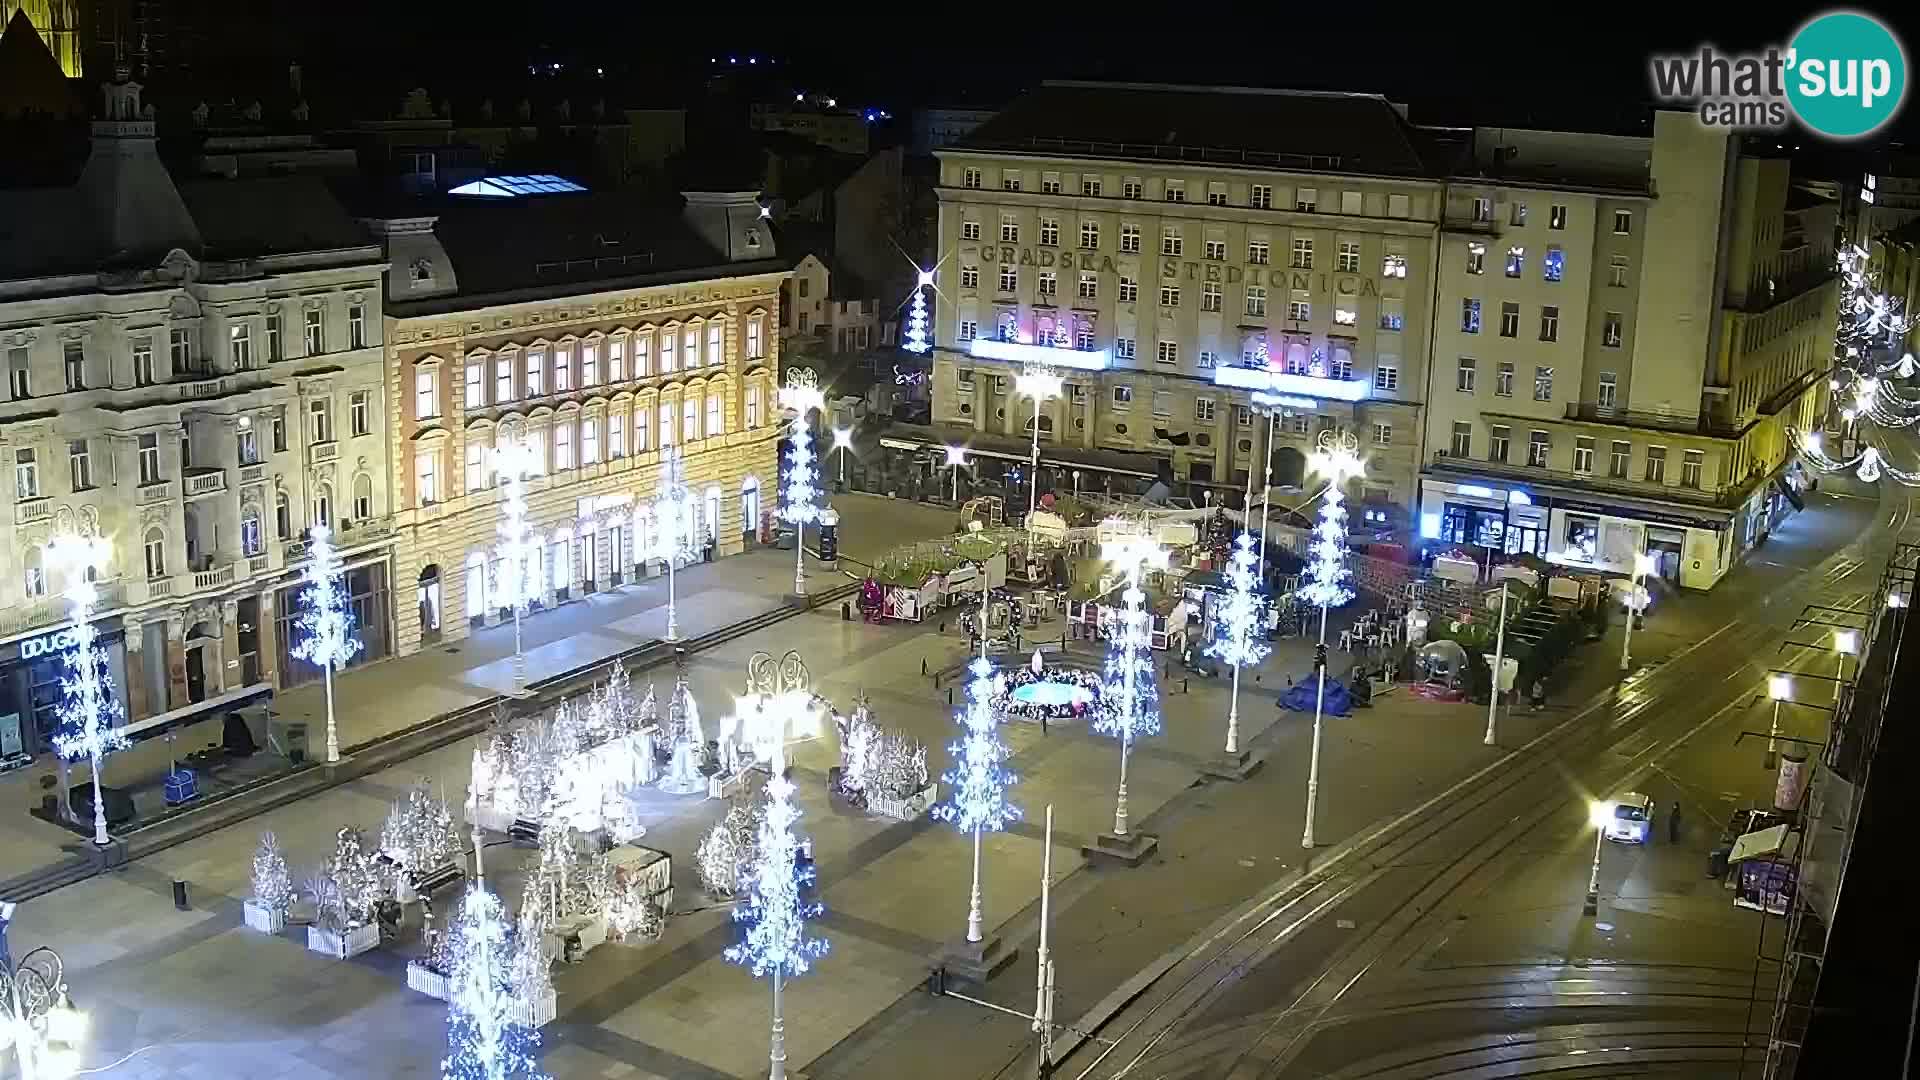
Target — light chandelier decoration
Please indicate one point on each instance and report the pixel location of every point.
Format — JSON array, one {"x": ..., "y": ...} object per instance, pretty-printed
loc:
[
  {"x": 916, "y": 340},
  {"x": 1867, "y": 362}
]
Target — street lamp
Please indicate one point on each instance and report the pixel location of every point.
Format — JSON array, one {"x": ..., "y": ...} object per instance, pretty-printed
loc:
[
  {"x": 1499, "y": 667},
  {"x": 89, "y": 712},
  {"x": 1779, "y": 688},
  {"x": 1599, "y": 814},
  {"x": 1038, "y": 382},
  {"x": 1636, "y": 603},
  {"x": 1845, "y": 643},
  {"x": 956, "y": 457},
  {"x": 516, "y": 461},
  {"x": 801, "y": 394},
  {"x": 1132, "y": 712},
  {"x": 1271, "y": 405},
  {"x": 1338, "y": 460},
  {"x": 843, "y": 442}
]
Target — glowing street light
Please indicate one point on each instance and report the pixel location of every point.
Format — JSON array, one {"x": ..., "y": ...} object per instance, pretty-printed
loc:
[
  {"x": 799, "y": 505},
  {"x": 956, "y": 457},
  {"x": 1636, "y": 604},
  {"x": 1131, "y": 709},
  {"x": 1845, "y": 643},
  {"x": 1041, "y": 384},
  {"x": 1338, "y": 460},
  {"x": 1598, "y": 813},
  {"x": 1779, "y": 688},
  {"x": 37, "y": 1014},
  {"x": 843, "y": 442},
  {"x": 516, "y": 461}
]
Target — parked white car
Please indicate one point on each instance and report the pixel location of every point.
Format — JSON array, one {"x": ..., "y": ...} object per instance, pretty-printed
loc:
[{"x": 1632, "y": 821}]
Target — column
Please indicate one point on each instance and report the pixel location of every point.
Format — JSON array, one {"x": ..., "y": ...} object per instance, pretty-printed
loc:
[
  {"x": 177, "y": 658},
  {"x": 229, "y": 675},
  {"x": 134, "y": 694}
]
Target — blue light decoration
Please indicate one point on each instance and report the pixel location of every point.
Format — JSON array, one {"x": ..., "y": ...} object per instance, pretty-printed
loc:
[
  {"x": 484, "y": 1041},
  {"x": 916, "y": 336},
  {"x": 325, "y": 627}
]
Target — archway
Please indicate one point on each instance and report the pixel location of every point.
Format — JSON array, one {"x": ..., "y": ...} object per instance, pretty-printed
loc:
[
  {"x": 1289, "y": 467},
  {"x": 427, "y": 595}
]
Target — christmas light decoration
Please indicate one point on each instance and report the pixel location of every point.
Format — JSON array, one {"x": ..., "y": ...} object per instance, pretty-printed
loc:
[
  {"x": 1337, "y": 460},
  {"x": 978, "y": 781},
  {"x": 325, "y": 627},
  {"x": 272, "y": 884},
  {"x": 89, "y": 714},
  {"x": 517, "y": 583},
  {"x": 1239, "y": 618},
  {"x": 799, "y": 502},
  {"x": 686, "y": 741},
  {"x": 1129, "y": 698},
  {"x": 916, "y": 340},
  {"x": 673, "y": 539},
  {"x": 485, "y": 1041}
]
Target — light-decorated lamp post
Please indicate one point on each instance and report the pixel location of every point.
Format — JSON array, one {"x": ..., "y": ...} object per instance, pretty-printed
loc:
[
  {"x": 1336, "y": 460},
  {"x": 1271, "y": 406},
  {"x": 1598, "y": 814},
  {"x": 956, "y": 457},
  {"x": 326, "y": 622},
  {"x": 516, "y": 461},
  {"x": 1040, "y": 384},
  {"x": 673, "y": 539},
  {"x": 776, "y": 907},
  {"x": 1129, "y": 707},
  {"x": 800, "y": 497},
  {"x": 1779, "y": 689},
  {"x": 484, "y": 1039},
  {"x": 1238, "y": 642},
  {"x": 977, "y": 782},
  {"x": 915, "y": 340},
  {"x": 89, "y": 714}
]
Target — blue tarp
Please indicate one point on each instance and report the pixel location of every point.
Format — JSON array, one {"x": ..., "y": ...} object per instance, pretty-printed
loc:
[{"x": 1299, "y": 697}]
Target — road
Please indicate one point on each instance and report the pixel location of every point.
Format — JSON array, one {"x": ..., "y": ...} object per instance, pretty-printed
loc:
[{"x": 1455, "y": 944}]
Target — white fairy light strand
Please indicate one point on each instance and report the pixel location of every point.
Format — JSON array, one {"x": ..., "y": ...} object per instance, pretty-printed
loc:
[
  {"x": 978, "y": 780},
  {"x": 326, "y": 626},
  {"x": 1238, "y": 642}
]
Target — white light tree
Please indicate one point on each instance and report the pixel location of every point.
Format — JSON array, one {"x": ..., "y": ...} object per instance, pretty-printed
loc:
[
  {"x": 674, "y": 542},
  {"x": 484, "y": 1041},
  {"x": 517, "y": 584},
  {"x": 89, "y": 714},
  {"x": 1337, "y": 461},
  {"x": 800, "y": 495},
  {"x": 978, "y": 781},
  {"x": 325, "y": 626},
  {"x": 1129, "y": 701},
  {"x": 1238, "y": 642},
  {"x": 915, "y": 340},
  {"x": 776, "y": 907},
  {"x": 686, "y": 741}
]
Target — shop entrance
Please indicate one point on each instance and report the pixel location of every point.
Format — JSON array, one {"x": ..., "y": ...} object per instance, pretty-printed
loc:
[
  {"x": 201, "y": 640},
  {"x": 1666, "y": 546},
  {"x": 427, "y": 595}
]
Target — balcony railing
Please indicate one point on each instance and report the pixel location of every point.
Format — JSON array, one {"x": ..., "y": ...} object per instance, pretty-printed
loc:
[
  {"x": 205, "y": 481},
  {"x": 1684, "y": 423},
  {"x": 157, "y": 492},
  {"x": 259, "y": 564},
  {"x": 252, "y": 474},
  {"x": 33, "y": 510},
  {"x": 323, "y": 451},
  {"x": 54, "y": 610},
  {"x": 1595, "y": 481},
  {"x": 214, "y": 578}
]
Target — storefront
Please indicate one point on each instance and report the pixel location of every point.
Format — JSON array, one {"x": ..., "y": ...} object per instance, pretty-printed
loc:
[
  {"x": 31, "y": 670},
  {"x": 372, "y": 622},
  {"x": 1505, "y": 520}
]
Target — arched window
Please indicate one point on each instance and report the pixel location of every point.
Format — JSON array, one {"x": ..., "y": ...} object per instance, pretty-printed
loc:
[
  {"x": 362, "y": 497},
  {"x": 323, "y": 504},
  {"x": 155, "y": 544},
  {"x": 252, "y": 540},
  {"x": 282, "y": 516}
]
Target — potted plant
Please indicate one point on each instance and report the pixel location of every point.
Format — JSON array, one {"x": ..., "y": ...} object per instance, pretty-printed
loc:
[{"x": 266, "y": 909}]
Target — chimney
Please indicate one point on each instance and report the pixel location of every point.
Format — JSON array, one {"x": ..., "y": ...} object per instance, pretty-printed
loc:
[
  {"x": 732, "y": 222},
  {"x": 137, "y": 211}
]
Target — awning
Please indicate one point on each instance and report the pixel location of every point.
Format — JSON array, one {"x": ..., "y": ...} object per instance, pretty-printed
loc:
[
  {"x": 199, "y": 710},
  {"x": 1761, "y": 844}
]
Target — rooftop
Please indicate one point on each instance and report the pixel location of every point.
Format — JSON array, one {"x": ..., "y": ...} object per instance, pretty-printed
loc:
[{"x": 1287, "y": 129}]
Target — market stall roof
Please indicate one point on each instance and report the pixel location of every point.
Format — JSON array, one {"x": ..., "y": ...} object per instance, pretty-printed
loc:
[{"x": 1013, "y": 448}]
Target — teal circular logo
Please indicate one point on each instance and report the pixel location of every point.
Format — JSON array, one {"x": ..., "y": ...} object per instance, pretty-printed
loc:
[{"x": 1847, "y": 74}]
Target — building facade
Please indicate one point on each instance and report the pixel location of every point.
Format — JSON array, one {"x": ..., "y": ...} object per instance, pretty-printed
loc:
[
  {"x": 599, "y": 372},
  {"x": 199, "y": 387},
  {"x": 1276, "y": 243},
  {"x": 1626, "y": 328}
]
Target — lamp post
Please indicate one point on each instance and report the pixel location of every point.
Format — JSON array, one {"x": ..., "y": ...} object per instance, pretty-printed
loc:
[
  {"x": 1642, "y": 566},
  {"x": 42, "y": 1023},
  {"x": 1131, "y": 714},
  {"x": 516, "y": 461},
  {"x": 1338, "y": 460},
  {"x": 801, "y": 394},
  {"x": 89, "y": 713},
  {"x": 956, "y": 457},
  {"x": 1499, "y": 667},
  {"x": 1599, "y": 814},
  {"x": 1845, "y": 643},
  {"x": 1270, "y": 405},
  {"x": 843, "y": 442},
  {"x": 1779, "y": 688},
  {"x": 1039, "y": 383}
]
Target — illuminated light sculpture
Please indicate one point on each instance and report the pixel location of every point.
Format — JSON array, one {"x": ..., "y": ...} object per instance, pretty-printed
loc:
[
  {"x": 799, "y": 502},
  {"x": 1337, "y": 460},
  {"x": 517, "y": 585},
  {"x": 326, "y": 624},
  {"x": 673, "y": 532},
  {"x": 1238, "y": 642},
  {"x": 916, "y": 340},
  {"x": 37, "y": 1015},
  {"x": 979, "y": 779},
  {"x": 485, "y": 1038},
  {"x": 89, "y": 714},
  {"x": 686, "y": 742},
  {"x": 1129, "y": 698},
  {"x": 1041, "y": 384}
]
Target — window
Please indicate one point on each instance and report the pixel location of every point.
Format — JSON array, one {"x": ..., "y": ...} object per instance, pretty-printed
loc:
[
  {"x": 1622, "y": 222},
  {"x": 358, "y": 406},
  {"x": 1519, "y": 214},
  {"x": 357, "y": 326},
  {"x": 1203, "y": 410},
  {"x": 1010, "y": 181},
  {"x": 1617, "y": 271},
  {"x": 1305, "y": 199},
  {"x": 1503, "y": 379},
  {"x": 74, "y": 360},
  {"x": 316, "y": 331},
  {"x": 1393, "y": 314},
  {"x": 643, "y": 426},
  {"x": 26, "y": 475},
  {"x": 1009, "y": 278},
  {"x": 1349, "y": 256},
  {"x": 1539, "y": 449},
  {"x": 1610, "y": 330},
  {"x": 1216, "y": 250},
  {"x": 1171, "y": 242},
  {"x": 969, "y": 277},
  {"x": 562, "y": 445},
  {"x": 1089, "y": 235},
  {"x": 1210, "y": 296},
  {"x": 616, "y": 360},
  {"x": 1129, "y": 239},
  {"x": 1476, "y": 258},
  {"x": 1470, "y": 316},
  {"x": 1049, "y": 232},
  {"x": 1691, "y": 464},
  {"x": 969, "y": 329},
  {"x": 1550, "y": 323},
  {"x": 1009, "y": 229},
  {"x": 282, "y": 516},
  {"x": 426, "y": 476},
  {"x": 1509, "y": 320},
  {"x": 1383, "y": 434},
  {"x": 1243, "y": 416},
  {"x": 1129, "y": 290},
  {"x": 1464, "y": 375},
  {"x": 1399, "y": 206},
  {"x": 1162, "y": 404},
  {"x": 1543, "y": 384},
  {"x": 1260, "y": 197},
  {"x": 1618, "y": 462},
  {"x": 756, "y": 337},
  {"x": 1169, "y": 352},
  {"x": 143, "y": 374},
  {"x": 1656, "y": 464},
  {"x": 616, "y": 437},
  {"x": 716, "y": 416},
  {"x": 149, "y": 459},
  {"x": 1176, "y": 191},
  {"x": 1089, "y": 286},
  {"x": 689, "y": 419},
  {"x": 590, "y": 357},
  {"x": 362, "y": 497},
  {"x": 319, "y": 421},
  {"x": 276, "y": 351},
  {"x": 1483, "y": 209},
  {"x": 1393, "y": 264},
  {"x": 1169, "y": 296},
  {"x": 590, "y": 440},
  {"x": 1386, "y": 376},
  {"x": 1500, "y": 444},
  {"x": 80, "y": 465},
  {"x": 1009, "y": 327},
  {"x": 1303, "y": 253},
  {"x": 1350, "y": 202},
  {"x": 1216, "y": 194},
  {"x": 1608, "y": 390},
  {"x": 280, "y": 429},
  {"x": 1050, "y": 183},
  {"x": 1122, "y": 396},
  {"x": 1462, "y": 439},
  {"x": 1125, "y": 348},
  {"x": 970, "y": 178},
  {"x": 1516, "y": 261},
  {"x": 1299, "y": 310},
  {"x": 1345, "y": 316},
  {"x": 1256, "y": 300},
  {"x": 1554, "y": 265},
  {"x": 502, "y": 380},
  {"x": 969, "y": 230},
  {"x": 1090, "y": 186},
  {"x": 1133, "y": 188},
  {"x": 1049, "y": 283},
  {"x": 537, "y": 370},
  {"x": 179, "y": 351},
  {"x": 1556, "y": 216},
  {"x": 476, "y": 386},
  {"x": 155, "y": 546},
  {"x": 476, "y": 466},
  {"x": 426, "y": 403},
  {"x": 1083, "y": 336},
  {"x": 1583, "y": 455},
  {"x": 1259, "y": 252}
]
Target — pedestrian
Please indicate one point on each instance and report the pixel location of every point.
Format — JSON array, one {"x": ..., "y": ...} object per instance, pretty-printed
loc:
[
  {"x": 1043, "y": 721},
  {"x": 1673, "y": 823},
  {"x": 1539, "y": 693}
]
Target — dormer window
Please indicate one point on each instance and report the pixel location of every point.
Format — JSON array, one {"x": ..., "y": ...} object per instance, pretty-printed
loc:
[
  {"x": 753, "y": 238},
  {"x": 421, "y": 272}
]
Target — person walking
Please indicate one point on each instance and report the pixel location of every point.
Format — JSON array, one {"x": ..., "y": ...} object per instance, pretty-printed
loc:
[{"x": 1673, "y": 823}]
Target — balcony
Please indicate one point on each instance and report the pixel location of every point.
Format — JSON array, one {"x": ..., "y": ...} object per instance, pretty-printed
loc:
[
  {"x": 259, "y": 564},
  {"x": 205, "y": 482},
  {"x": 323, "y": 451},
  {"x": 1682, "y": 423},
  {"x": 54, "y": 610},
  {"x": 1444, "y": 462},
  {"x": 215, "y": 578},
  {"x": 201, "y": 388},
  {"x": 32, "y": 511},
  {"x": 157, "y": 492},
  {"x": 158, "y": 588},
  {"x": 252, "y": 474},
  {"x": 1473, "y": 226}
]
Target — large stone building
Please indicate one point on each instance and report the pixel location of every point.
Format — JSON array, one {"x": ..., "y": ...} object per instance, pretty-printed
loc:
[
  {"x": 194, "y": 373},
  {"x": 1175, "y": 249},
  {"x": 599, "y": 329},
  {"x": 1626, "y": 328}
]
